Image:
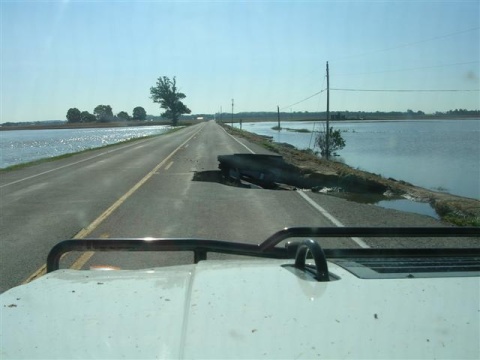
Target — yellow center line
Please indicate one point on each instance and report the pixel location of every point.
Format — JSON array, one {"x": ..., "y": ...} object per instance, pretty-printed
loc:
[
  {"x": 82, "y": 260},
  {"x": 90, "y": 228}
]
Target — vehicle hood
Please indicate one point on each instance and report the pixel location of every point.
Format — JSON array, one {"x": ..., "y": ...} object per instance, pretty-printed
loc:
[{"x": 239, "y": 309}]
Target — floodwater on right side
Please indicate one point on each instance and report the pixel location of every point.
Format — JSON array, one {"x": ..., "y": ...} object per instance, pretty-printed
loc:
[
  {"x": 406, "y": 205},
  {"x": 440, "y": 155}
]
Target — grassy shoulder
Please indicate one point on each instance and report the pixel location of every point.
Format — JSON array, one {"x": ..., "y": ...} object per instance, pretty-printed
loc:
[{"x": 318, "y": 172}]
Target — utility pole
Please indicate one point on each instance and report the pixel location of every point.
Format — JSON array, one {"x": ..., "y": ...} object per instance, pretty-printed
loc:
[
  {"x": 232, "y": 112},
  {"x": 278, "y": 117},
  {"x": 327, "y": 137},
  {"x": 221, "y": 118}
]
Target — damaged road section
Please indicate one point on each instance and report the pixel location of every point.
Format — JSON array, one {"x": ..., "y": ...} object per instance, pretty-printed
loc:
[
  {"x": 272, "y": 172},
  {"x": 254, "y": 171},
  {"x": 317, "y": 174},
  {"x": 265, "y": 171}
]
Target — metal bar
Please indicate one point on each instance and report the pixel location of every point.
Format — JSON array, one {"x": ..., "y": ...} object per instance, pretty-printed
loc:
[
  {"x": 200, "y": 247},
  {"x": 199, "y": 255},
  {"x": 318, "y": 256},
  {"x": 267, "y": 249}
]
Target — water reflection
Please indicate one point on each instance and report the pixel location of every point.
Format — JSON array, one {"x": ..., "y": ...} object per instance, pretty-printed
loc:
[
  {"x": 409, "y": 206},
  {"x": 441, "y": 155},
  {"x": 21, "y": 146}
]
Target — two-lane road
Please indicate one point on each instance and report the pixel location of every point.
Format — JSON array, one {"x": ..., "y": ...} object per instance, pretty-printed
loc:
[{"x": 159, "y": 187}]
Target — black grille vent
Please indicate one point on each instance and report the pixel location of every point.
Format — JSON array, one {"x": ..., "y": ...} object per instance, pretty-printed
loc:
[{"x": 369, "y": 268}]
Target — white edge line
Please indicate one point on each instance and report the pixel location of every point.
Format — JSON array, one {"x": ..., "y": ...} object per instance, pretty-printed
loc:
[
  {"x": 329, "y": 216},
  {"x": 238, "y": 141}
]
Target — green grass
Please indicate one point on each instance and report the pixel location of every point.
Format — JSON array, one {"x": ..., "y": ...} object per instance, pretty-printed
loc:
[{"x": 461, "y": 221}]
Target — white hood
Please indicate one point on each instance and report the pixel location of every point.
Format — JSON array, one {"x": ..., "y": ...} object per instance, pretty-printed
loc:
[{"x": 239, "y": 309}]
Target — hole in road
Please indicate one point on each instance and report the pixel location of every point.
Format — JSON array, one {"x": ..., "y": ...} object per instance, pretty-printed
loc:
[{"x": 217, "y": 176}]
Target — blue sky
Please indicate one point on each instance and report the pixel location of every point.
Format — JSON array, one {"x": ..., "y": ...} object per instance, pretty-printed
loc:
[{"x": 62, "y": 54}]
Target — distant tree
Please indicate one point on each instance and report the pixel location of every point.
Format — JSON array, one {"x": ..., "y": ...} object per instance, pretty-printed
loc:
[
  {"x": 335, "y": 141},
  {"x": 87, "y": 117},
  {"x": 74, "y": 115},
  {"x": 139, "y": 113},
  {"x": 103, "y": 113},
  {"x": 166, "y": 94},
  {"x": 123, "y": 115}
]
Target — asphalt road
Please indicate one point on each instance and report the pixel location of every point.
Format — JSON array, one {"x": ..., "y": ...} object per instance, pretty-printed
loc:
[{"x": 165, "y": 186}]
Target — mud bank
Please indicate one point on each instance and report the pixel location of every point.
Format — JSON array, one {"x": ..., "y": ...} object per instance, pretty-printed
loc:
[{"x": 306, "y": 170}]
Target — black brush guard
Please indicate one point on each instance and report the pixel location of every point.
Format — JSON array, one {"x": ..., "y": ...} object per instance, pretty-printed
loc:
[{"x": 296, "y": 250}]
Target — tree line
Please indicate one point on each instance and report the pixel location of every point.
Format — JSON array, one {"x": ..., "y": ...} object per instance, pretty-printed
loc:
[
  {"x": 348, "y": 115},
  {"x": 104, "y": 113},
  {"x": 165, "y": 93}
]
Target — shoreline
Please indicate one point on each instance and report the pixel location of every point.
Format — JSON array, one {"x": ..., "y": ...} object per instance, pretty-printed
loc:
[
  {"x": 316, "y": 172},
  {"x": 97, "y": 125},
  {"x": 66, "y": 155}
]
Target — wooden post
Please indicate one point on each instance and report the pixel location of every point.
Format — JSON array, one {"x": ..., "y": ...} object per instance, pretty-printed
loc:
[
  {"x": 327, "y": 138},
  {"x": 278, "y": 117}
]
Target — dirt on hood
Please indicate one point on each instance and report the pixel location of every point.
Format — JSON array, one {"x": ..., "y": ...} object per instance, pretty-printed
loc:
[{"x": 316, "y": 173}]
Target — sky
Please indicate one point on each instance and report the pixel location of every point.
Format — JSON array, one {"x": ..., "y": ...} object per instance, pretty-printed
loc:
[{"x": 56, "y": 55}]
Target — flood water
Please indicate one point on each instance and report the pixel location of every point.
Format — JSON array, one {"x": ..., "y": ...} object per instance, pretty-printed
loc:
[
  {"x": 440, "y": 155},
  {"x": 21, "y": 146}
]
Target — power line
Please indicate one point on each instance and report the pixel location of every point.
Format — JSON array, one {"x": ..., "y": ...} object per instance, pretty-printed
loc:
[
  {"x": 408, "y": 90},
  {"x": 298, "y": 102},
  {"x": 406, "y": 45},
  {"x": 409, "y": 69}
]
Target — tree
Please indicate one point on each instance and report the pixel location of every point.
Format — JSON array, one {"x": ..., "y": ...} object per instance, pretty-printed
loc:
[
  {"x": 87, "y": 117},
  {"x": 103, "y": 113},
  {"x": 335, "y": 141},
  {"x": 166, "y": 94},
  {"x": 139, "y": 113},
  {"x": 123, "y": 115},
  {"x": 73, "y": 115}
]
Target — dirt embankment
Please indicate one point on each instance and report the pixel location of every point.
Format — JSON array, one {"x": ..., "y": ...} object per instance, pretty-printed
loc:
[{"x": 316, "y": 173}]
